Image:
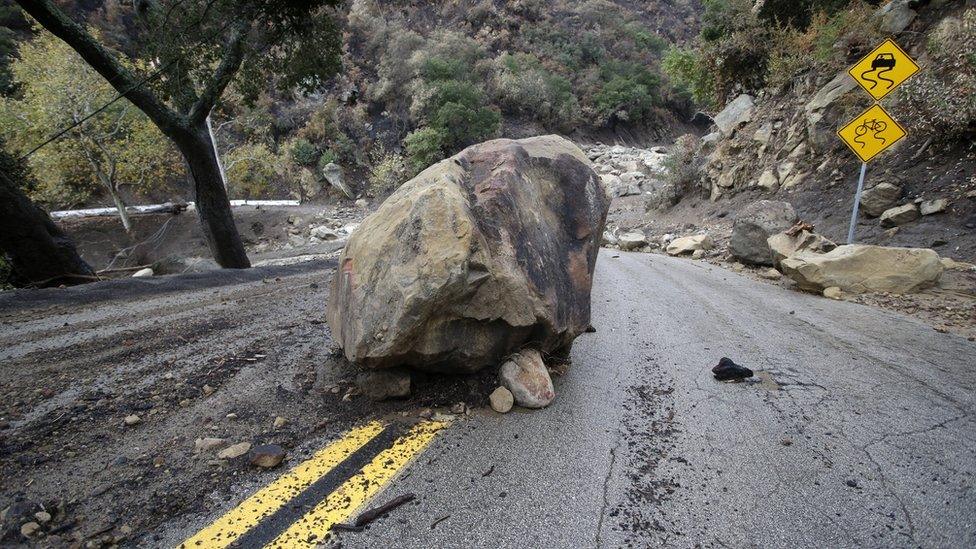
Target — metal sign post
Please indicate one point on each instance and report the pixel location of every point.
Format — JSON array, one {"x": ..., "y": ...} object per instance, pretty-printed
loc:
[
  {"x": 857, "y": 202},
  {"x": 874, "y": 130}
]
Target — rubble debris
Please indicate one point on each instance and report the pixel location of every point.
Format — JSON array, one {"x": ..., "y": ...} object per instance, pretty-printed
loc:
[{"x": 727, "y": 370}]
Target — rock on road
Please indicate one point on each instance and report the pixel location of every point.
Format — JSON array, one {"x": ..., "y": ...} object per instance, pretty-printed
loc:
[{"x": 857, "y": 430}]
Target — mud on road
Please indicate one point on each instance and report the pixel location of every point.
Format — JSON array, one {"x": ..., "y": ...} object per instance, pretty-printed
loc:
[{"x": 219, "y": 354}]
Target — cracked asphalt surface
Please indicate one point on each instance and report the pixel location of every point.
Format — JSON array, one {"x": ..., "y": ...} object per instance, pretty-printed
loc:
[{"x": 856, "y": 432}]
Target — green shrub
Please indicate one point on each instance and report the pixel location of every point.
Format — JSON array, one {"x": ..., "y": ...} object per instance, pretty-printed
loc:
[
  {"x": 388, "y": 172},
  {"x": 302, "y": 152},
  {"x": 688, "y": 75},
  {"x": 424, "y": 147},
  {"x": 933, "y": 100},
  {"x": 629, "y": 93},
  {"x": 682, "y": 165},
  {"x": 523, "y": 86},
  {"x": 328, "y": 157}
]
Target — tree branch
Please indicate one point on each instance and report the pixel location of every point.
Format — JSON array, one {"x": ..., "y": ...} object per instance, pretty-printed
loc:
[
  {"x": 100, "y": 59},
  {"x": 229, "y": 65}
]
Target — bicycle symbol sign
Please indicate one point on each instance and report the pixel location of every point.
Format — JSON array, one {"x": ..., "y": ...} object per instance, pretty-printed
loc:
[
  {"x": 871, "y": 132},
  {"x": 884, "y": 69}
]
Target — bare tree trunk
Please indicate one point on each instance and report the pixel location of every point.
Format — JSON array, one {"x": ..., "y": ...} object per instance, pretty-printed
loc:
[
  {"x": 120, "y": 206},
  {"x": 212, "y": 204},
  {"x": 39, "y": 251}
]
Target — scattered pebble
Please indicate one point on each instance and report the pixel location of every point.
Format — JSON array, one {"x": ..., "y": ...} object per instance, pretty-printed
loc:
[
  {"x": 132, "y": 420},
  {"x": 28, "y": 529},
  {"x": 42, "y": 516},
  {"x": 501, "y": 400},
  {"x": 208, "y": 390},
  {"x": 235, "y": 451},
  {"x": 280, "y": 422}
]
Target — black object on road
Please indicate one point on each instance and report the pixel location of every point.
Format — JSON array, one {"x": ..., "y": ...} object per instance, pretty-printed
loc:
[{"x": 729, "y": 371}]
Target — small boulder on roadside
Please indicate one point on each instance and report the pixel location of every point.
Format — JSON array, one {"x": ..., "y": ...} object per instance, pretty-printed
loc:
[
  {"x": 783, "y": 245},
  {"x": 526, "y": 376},
  {"x": 859, "y": 268},
  {"x": 501, "y": 400},
  {"x": 631, "y": 241},
  {"x": 900, "y": 215},
  {"x": 754, "y": 225},
  {"x": 689, "y": 244}
]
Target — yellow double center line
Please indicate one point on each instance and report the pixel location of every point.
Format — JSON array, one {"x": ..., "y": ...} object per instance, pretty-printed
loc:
[{"x": 300, "y": 507}]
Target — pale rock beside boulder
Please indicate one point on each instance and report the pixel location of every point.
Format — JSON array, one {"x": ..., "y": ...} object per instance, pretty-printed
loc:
[
  {"x": 235, "y": 451},
  {"x": 879, "y": 198},
  {"x": 475, "y": 257},
  {"x": 526, "y": 376},
  {"x": 324, "y": 232},
  {"x": 899, "y": 215},
  {"x": 333, "y": 174},
  {"x": 631, "y": 241},
  {"x": 501, "y": 400},
  {"x": 859, "y": 268},
  {"x": 143, "y": 273},
  {"x": 754, "y": 225},
  {"x": 688, "y": 244},
  {"x": 783, "y": 245}
]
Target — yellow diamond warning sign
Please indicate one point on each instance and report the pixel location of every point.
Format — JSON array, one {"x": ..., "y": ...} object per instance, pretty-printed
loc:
[
  {"x": 884, "y": 69},
  {"x": 871, "y": 132}
]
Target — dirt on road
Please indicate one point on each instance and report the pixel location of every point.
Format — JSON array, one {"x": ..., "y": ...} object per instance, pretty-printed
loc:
[{"x": 219, "y": 354}]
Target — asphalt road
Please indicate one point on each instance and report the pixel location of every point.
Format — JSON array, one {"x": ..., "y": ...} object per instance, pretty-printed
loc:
[{"x": 858, "y": 430}]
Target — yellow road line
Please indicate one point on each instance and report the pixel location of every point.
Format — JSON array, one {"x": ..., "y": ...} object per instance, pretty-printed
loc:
[
  {"x": 342, "y": 503},
  {"x": 272, "y": 497}
]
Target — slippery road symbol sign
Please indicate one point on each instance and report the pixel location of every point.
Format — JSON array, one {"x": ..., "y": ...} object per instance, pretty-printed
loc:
[
  {"x": 871, "y": 132},
  {"x": 884, "y": 69}
]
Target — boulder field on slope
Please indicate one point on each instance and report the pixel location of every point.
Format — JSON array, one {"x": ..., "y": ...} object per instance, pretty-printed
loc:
[
  {"x": 859, "y": 268},
  {"x": 480, "y": 255}
]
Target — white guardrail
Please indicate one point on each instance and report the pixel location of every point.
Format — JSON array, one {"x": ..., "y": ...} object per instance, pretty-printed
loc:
[{"x": 156, "y": 208}]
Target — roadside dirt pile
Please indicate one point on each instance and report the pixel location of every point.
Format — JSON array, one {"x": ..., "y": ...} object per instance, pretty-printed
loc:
[{"x": 480, "y": 255}]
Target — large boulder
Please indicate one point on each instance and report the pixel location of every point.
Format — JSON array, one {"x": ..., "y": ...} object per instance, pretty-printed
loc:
[
  {"x": 859, "y": 268},
  {"x": 754, "y": 225},
  {"x": 476, "y": 257}
]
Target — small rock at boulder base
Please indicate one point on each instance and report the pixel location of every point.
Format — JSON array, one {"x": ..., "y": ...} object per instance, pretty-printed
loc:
[
  {"x": 266, "y": 456},
  {"x": 526, "y": 376},
  {"x": 472, "y": 259},
  {"x": 385, "y": 384},
  {"x": 688, "y": 244},
  {"x": 501, "y": 400},
  {"x": 859, "y": 268},
  {"x": 833, "y": 292},
  {"x": 631, "y": 241},
  {"x": 770, "y": 274},
  {"x": 235, "y": 451},
  {"x": 143, "y": 273},
  {"x": 754, "y": 225},
  {"x": 727, "y": 370}
]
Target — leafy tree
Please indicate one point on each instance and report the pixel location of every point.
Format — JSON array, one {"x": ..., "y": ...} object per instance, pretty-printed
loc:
[
  {"x": 629, "y": 93},
  {"x": 118, "y": 147},
  {"x": 687, "y": 73},
  {"x": 251, "y": 170},
  {"x": 191, "y": 51}
]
